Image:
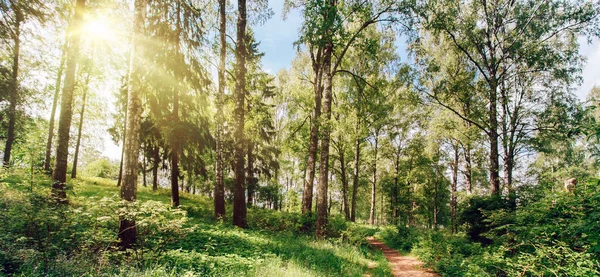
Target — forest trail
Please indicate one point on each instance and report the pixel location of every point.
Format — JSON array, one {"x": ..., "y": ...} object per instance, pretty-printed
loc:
[{"x": 402, "y": 266}]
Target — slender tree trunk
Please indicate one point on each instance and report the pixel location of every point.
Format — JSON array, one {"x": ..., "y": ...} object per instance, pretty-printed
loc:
[
  {"x": 219, "y": 181},
  {"x": 374, "y": 184},
  {"x": 435, "y": 198},
  {"x": 59, "y": 174},
  {"x": 396, "y": 188},
  {"x": 175, "y": 137},
  {"x": 250, "y": 174},
  {"x": 127, "y": 228},
  {"x": 355, "y": 176},
  {"x": 120, "y": 178},
  {"x": 239, "y": 203},
  {"x": 321, "y": 226},
  {"x": 493, "y": 136},
  {"x": 155, "y": 168},
  {"x": 344, "y": 180},
  {"x": 307, "y": 195},
  {"x": 453, "y": 201},
  {"x": 14, "y": 85},
  {"x": 144, "y": 167},
  {"x": 57, "y": 85},
  {"x": 78, "y": 144},
  {"x": 468, "y": 166}
]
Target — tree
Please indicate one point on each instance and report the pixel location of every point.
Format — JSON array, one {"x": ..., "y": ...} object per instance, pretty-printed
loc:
[
  {"x": 127, "y": 228},
  {"x": 14, "y": 15},
  {"x": 59, "y": 174},
  {"x": 502, "y": 40},
  {"x": 219, "y": 193},
  {"x": 239, "y": 199}
]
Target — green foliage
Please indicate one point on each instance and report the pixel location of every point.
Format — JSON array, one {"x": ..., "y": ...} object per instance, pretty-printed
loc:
[
  {"x": 38, "y": 238},
  {"x": 102, "y": 168},
  {"x": 478, "y": 215},
  {"x": 399, "y": 237},
  {"x": 556, "y": 235}
]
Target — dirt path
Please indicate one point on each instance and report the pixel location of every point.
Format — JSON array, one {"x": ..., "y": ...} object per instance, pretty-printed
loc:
[{"x": 402, "y": 266}]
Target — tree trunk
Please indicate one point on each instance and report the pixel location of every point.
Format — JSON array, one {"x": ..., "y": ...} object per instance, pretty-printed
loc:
[
  {"x": 59, "y": 174},
  {"x": 453, "y": 189},
  {"x": 155, "y": 168},
  {"x": 307, "y": 194},
  {"x": 355, "y": 175},
  {"x": 435, "y": 198},
  {"x": 175, "y": 118},
  {"x": 396, "y": 188},
  {"x": 57, "y": 85},
  {"x": 219, "y": 181},
  {"x": 239, "y": 203},
  {"x": 127, "y": 228},
  {"x": 250, "y": 174},
  {"x": 120, "y": 178},
  {"x": 144, "y": 166},
  {"x": 344, "y": 180},
  {"x": 321, "y": 226},
  {"x": 14, "y": 85},
  {"x": 468, "y": 170},
  {"x": 83, "y": 100},
  {"x": 373, "y": 185},
  {"x": 493, "y": 136}
]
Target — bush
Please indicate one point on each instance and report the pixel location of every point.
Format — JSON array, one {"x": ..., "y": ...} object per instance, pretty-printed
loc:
[
  {"x": 102, "y": 168},
  {"x": 400, "y": 237}
]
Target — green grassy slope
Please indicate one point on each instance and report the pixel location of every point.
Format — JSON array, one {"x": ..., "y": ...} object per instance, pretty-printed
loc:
[{"x": 80, "y": 239}]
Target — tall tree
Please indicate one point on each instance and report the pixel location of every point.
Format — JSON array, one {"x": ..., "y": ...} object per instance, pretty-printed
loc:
[
  {"x": 501, "y": 40},
  {"x": 219, "y": 180},
  {"x": 80, "y": 126},
  {"x": 14, "y": 15},
  {"x": 59, "y": 174},
  {"x": 57, "y": 87},
  {"x": 127, "y": 227},
  {"x": 239, "y": 198}
]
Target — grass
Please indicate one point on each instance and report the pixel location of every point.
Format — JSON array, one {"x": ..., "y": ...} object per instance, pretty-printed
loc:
[{"x": 208, "y": 247}]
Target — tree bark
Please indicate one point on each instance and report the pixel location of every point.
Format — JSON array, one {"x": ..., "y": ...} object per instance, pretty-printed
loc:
[
  {"x": 83, "y": 100},
  {"x": 59, "y": 174},
  {"x": 57, "y": 85},
  {"x": 307, "y": 195},
  {"x": 239, "y": 203},
  {"x": 127, "y": 228},
  {"x": 321, "y": 226},
  {"x": 453, "y": 201},
  {"x": 468, "y": 170},
  {"x": 355, "y": 175},
  {"x": 250, "y": 174},
  {"x": 175, "y": 118},
  {"x": 493, "y": 136},
  {"x": 435, "y": 198},
  {"x": 219, "y": 181},
  {"x": 344, "y": 180},
  {"x": 373, "y": 185},
  {"x": 14, "y": 86},
  {"x": 396, "y": 187},
  {"x": 155, "y": 167},
  {"x": 144, "y": 166}
]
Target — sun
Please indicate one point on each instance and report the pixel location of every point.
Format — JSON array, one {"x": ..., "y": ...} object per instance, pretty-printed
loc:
[{"x": 98, "y": 28}]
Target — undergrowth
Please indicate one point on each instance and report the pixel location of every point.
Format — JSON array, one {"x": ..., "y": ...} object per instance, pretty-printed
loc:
[
  {"x": 552, "y": 235},
  {"x": 38, "y": 238}
]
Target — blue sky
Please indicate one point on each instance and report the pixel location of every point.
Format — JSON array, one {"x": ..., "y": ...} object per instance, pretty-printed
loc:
[{"x": 277, "y": 37}]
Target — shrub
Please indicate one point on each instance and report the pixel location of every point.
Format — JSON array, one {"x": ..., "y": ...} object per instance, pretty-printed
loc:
[
  {"x": 102, "y": 168},
  {"x": 400, "y": 237}
]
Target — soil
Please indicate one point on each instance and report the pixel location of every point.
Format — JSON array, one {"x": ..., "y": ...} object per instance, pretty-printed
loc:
[{"x": 402, "y": 266}]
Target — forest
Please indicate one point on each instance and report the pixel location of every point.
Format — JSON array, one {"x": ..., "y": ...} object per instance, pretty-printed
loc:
[{"x": 150, "y": 138}]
